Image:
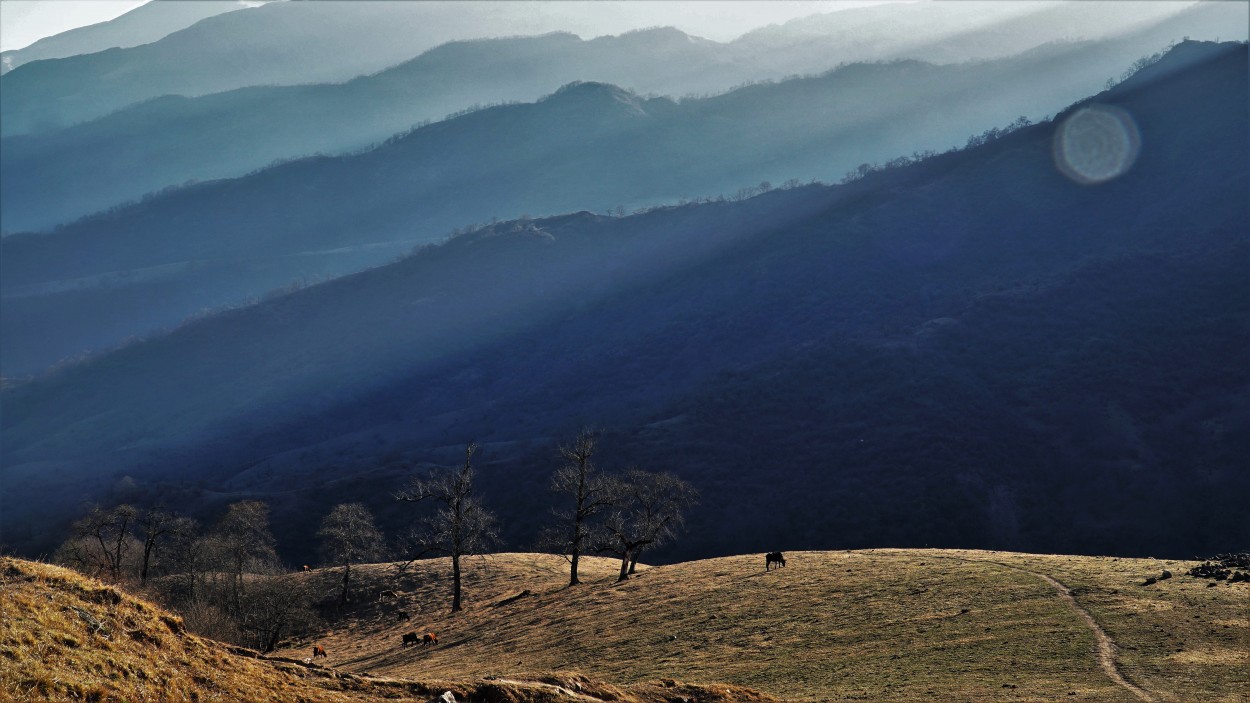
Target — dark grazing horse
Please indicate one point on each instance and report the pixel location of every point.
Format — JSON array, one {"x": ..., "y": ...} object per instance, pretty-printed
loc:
[
  {"x": 774, "y": 558},
  {"x": 410, "y": 638},
  {"x": 318, "y": 651}
]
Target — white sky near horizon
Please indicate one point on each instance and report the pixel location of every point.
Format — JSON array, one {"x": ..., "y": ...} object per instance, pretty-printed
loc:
[{"x": 23, "y": 22}]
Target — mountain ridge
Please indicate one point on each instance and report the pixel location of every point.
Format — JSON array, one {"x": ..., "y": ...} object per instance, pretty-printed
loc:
[
  {"x": 362, "y": 210},
  {"x": 145, "y": 147},
  {"x": 144, "y": 24},
  {"x": 850, "y": 331}
]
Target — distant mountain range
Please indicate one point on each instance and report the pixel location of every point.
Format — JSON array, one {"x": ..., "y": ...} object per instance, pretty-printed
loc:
[
  {"x": 130, "y": 272},
  {"x": 171, "y": 140},
  {"x": 288, "y": 43},
  {"x": 280, "y": 43},
  {"x": 973, "y": 350},
  {"x": 144, "y": 24}
]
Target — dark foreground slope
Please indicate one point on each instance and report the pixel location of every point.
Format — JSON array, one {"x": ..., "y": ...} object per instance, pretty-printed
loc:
[
  {"x": 970, "y": 351},
  {"x": 589, "y": 146}
]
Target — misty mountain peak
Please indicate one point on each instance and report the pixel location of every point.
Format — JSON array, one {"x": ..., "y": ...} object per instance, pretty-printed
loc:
[
  {"x": 656, "y": 38},
  {"x": 597, "y": 96}
]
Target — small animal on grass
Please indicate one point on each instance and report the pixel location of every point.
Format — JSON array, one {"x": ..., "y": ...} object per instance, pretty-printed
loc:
[
  {"x": 306, "y": 568},
  {"x": 410, "y": 638},
  {"x": 403, "y": 615},
  {"x": 387, "y": 594},
  {"x": 318, "y": 651},
  {"x": 430, "y": 638},
  {"x": 774, "y": 558}
]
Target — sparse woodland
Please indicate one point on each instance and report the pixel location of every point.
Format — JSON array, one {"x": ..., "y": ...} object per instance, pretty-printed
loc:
[{"x": 228, "y": 581}]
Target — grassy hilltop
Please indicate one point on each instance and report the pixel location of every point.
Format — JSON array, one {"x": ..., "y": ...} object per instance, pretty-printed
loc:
[
  {"x": 881, "y": 625},
  {"x": 875, "y": 625}
]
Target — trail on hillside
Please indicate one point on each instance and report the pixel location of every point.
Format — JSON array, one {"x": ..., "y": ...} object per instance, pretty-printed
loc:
[{"x": 1106, "y": 646}]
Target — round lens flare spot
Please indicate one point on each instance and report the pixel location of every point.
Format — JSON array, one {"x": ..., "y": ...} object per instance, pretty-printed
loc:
[{"x": 1096, "y": 144}]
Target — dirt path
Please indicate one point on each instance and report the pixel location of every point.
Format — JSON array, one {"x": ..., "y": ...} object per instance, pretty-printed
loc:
[{"x": 1106, "y": 646}]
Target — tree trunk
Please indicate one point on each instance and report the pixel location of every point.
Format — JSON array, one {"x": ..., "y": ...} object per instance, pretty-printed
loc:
[
  {"x": 633, "y": 561},
  {"x": 573, "y": 581},
  {"x": 455, "y": 583},
  {"x": 104, "y": 550},
  {"x": 117, "y": 555},
  {"x": 347, "y": 577},
  {"x": 148, "y": 544},
  {"x": 624, "y": 576},
  {"x": 272, "y": 643}
]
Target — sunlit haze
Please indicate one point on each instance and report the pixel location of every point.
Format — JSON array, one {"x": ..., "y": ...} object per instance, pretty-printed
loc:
[{"x": 23, "y": 22}]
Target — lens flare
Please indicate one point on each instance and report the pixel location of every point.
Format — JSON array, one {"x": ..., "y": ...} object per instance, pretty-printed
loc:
[{"x": 1096, "y": 144}]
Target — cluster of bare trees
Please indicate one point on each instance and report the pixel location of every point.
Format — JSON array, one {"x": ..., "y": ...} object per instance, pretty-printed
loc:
[
  {"x": 616, "y": 514},
  {"x": 228, "y": 582},
  {"x": 223, "y": 578}
]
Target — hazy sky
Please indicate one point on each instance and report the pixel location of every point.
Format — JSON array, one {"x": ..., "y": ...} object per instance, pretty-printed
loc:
[{"x": 25, "y": 21}]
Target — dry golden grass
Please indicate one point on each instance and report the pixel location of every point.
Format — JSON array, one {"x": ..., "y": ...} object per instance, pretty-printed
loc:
[
  {"x": 1181, "y": 639},
  {"x": 879, "y": 625},
  {"x": 64, "y": 637}
]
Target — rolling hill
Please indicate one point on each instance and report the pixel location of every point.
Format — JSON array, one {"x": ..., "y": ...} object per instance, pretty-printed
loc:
[
  {"x": 172, "y": 140},
  {"x": 888, "y": 625},
  {"x": 878, "y": 625},
  {"x": 67, "y": 637},
  {"x": 969, "y": 351}
]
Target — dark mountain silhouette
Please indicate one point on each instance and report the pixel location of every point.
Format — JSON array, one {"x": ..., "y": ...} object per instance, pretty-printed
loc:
[
  {"x": 104, "y": 279},
  {"x": 142, "y": 25},
  {"x": 970, "y": 351},
  {"x": 172, "y": 140}
]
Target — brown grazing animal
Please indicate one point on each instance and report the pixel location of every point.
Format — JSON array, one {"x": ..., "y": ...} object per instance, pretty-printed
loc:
[
  {"x": 410, "y": 638},
  {"x": 430, "y": 638},
  {"x": 306, "y": 568},
  {"x": 403, "y": 615},
  {"x": 387, "y": 594},
  {"x": 318, "y": 651},
  {"x": 774, "y": 558}
]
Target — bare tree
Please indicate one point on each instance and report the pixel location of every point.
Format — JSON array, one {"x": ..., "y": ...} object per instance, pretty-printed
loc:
[
  {"x": 272, "y": 608},
  {"x": 349, "y": 536},
  {"x": 591, "y": 492},
  {"x": 245, "y": 542},
  {"x": 650, "y": 513},
  {"x": 460, "y": 526},
  {"x": 187, "y": 554},
  {"x": 154, "y": 525},
  {"x": 103, "y": 540}
]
